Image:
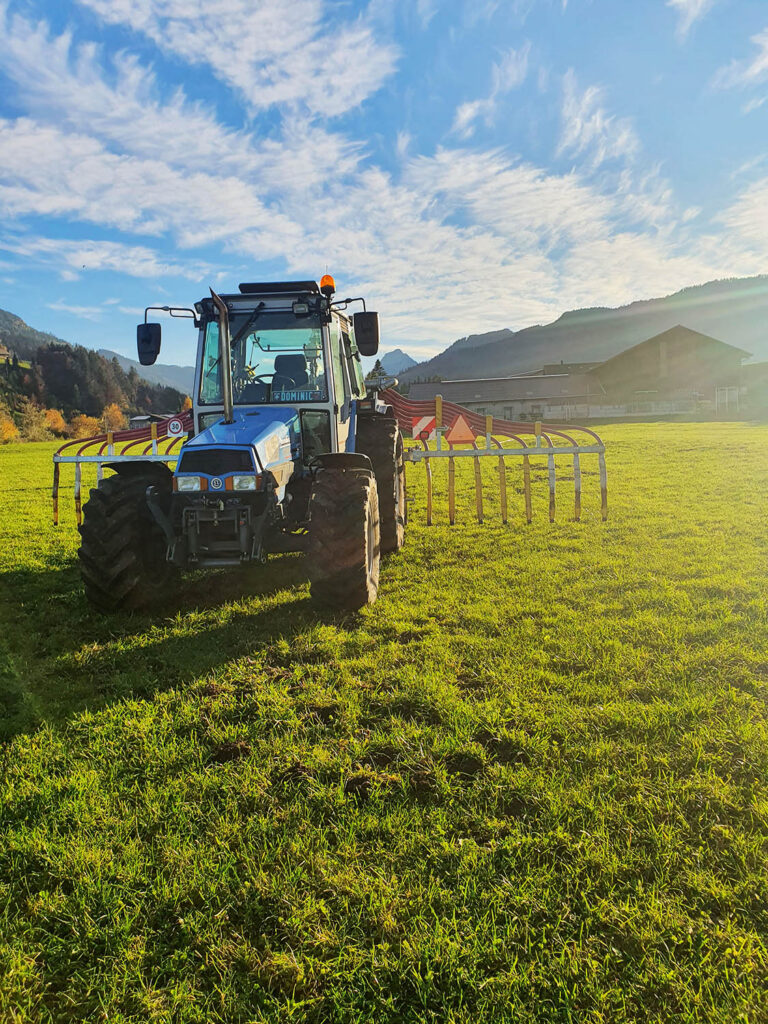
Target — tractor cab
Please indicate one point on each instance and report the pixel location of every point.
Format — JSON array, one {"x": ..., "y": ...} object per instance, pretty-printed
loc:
[{"x": 291, "y": 346}]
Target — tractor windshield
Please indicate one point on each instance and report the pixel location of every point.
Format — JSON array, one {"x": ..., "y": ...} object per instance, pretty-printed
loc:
[{"x": 275, "y": 358}]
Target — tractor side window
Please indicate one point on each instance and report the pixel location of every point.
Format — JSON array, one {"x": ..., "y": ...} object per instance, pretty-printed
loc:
[
  {"x": 339, "y": 377},
  {"x": 315, "y": 433},
  {"x": 354, "y": 366},
  {"x": 210, "y": 374}
]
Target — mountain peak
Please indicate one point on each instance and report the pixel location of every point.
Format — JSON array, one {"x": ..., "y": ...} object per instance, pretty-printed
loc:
[{"x": 396, "y": 361}]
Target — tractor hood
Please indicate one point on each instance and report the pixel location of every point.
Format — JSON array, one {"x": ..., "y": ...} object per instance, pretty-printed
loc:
[{"x": 271, "y": 434}]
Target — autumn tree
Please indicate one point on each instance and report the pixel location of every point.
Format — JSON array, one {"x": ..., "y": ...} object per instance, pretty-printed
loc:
[
  {"x": 113, "y": 417},
  {"x": 8, "y": 429},
  {"x": 84, "y": 426},
  {"x": 34, "y": 425},
  {"x": 56, "y": 422},
  {"x": 186, "y": 404}
]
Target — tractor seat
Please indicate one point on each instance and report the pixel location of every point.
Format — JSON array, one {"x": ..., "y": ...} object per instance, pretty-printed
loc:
[
  {"x": 255, "y": 392},
  {"x": 290, "y": 373}
]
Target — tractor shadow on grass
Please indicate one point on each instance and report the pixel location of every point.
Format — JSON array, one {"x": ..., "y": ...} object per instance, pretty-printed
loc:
[{"x": 59, "y": 657}]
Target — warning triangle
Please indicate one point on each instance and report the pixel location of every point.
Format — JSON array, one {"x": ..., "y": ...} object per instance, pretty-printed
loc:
[{"x": 460, "y": 432}]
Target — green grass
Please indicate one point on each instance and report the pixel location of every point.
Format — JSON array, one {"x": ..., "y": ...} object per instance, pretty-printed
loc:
[{"x": 528, "y": 785}]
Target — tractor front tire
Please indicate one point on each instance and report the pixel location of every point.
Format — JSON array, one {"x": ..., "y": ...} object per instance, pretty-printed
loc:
[
  {"x": 380, "y": 439},
  {"x": 122, "y": 549},
  {"x": 344, "y": 539}
]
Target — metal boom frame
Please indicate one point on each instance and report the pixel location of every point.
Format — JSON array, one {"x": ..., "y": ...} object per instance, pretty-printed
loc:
[{"x": 551, "y": 441}]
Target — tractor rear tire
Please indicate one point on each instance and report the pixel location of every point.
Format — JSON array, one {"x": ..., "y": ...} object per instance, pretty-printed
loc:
[
  {"x": 122, "y": 549},
  {"x": 344, "y": 540},
  {"x": 380, "y": 439}
]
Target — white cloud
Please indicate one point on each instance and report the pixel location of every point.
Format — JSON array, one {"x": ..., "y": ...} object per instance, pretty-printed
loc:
[
  {"x": 70, "y": 87},
  {"x": 519, "y": 202},
  {"x": 747, "y": 216},
  {"x": 588, "y": 129},
  {"x": 45, "y": 171},
  {"x": 754, "y": 104},
  {"x": 751, "y": 71},
  {"x": 71, "y": 257},
  {"x": 426, "y": 10},
  {"x": 276, "y": 52},
  {"x": 83, "y": 312},
  {"x": 507, "y": 74},
  {"x": 689, "y": 11}
]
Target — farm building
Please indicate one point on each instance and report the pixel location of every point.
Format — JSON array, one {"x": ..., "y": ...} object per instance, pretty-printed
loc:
[
  {"x": 5, "y": 353},
  {"x": 563, "y": 396},
  {"x": 678, "y": 372},
  {"x": 147, "y": 419}
]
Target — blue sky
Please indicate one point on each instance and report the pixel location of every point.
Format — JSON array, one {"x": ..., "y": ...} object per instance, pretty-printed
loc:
[{"x": 465, "y": 164}]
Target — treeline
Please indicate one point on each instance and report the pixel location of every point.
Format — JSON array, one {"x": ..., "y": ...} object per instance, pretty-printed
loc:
[
  {"x": 78, "y": 385},
  {"x": 79, "y": 380}
]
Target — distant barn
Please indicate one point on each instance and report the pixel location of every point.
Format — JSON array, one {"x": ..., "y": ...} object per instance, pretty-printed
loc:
[
  {"x": 677, "y": 372},
  {"x": 147, "y": 419},
  {"x": 668, "y": 372}
]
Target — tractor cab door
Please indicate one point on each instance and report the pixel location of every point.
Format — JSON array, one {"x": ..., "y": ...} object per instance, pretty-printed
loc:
[{"x": 342, "y": 389}]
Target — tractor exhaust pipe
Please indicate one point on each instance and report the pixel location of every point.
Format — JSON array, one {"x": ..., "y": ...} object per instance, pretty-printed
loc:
[{"x": 225, "y": 355}]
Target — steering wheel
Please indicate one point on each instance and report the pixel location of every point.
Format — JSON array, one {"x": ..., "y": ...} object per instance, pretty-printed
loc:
[
  {"x": 261, "y": 378},
  {"x": 250, "y": 373}
]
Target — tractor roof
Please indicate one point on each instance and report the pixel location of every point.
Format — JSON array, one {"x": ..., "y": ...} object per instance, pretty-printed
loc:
[{"x": 279, "y": 288}]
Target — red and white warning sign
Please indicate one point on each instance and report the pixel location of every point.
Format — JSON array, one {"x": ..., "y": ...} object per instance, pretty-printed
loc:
[
  {"x": 175, "y": 427},
  {"x": 424, "y": 428}
]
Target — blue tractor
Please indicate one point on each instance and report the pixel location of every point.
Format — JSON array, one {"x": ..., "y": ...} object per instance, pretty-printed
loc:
[{"x": 289, "y": 452}]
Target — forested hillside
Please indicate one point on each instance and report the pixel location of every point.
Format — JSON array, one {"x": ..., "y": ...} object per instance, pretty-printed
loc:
[
  {"x": 20, "y": 338},
  {"x": 181, "y": 378},
  {"x": 49, "y": 386},
  {"x": 77, "y": 380}
]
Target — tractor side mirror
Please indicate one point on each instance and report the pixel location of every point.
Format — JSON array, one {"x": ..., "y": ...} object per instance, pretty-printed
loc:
[
  {"x": 148, "y": 343},
  {"x": 366, "y": 327}
]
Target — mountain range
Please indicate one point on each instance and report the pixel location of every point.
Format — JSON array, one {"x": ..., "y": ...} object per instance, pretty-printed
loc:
[
  {"x": 53, "y": 373},
  {"x": 734, "y": 311},
  {"x": 182, "y": 378}
]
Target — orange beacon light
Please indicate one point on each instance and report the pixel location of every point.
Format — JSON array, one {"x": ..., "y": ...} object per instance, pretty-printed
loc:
[{"x": 327, "y": 285}]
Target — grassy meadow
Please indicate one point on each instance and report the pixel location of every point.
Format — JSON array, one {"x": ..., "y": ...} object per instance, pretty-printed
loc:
[{"x": 529, "y": 784}]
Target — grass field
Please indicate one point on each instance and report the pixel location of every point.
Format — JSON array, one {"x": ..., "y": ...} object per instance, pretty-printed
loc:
[{"x": 528, "y": 785}]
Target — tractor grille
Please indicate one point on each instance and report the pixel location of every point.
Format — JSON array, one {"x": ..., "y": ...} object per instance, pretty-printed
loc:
[{"x": 216, "y": 462}]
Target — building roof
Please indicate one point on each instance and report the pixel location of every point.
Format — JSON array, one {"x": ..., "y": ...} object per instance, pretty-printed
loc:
[
  {"x": 677, "y": 334},
  {"x": 551, "y": 386}
]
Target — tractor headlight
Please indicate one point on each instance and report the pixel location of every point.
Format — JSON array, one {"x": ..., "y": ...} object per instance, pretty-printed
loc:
[
  {"x": 245, "y": 483},
  {"x": 188, "y": 483}
]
